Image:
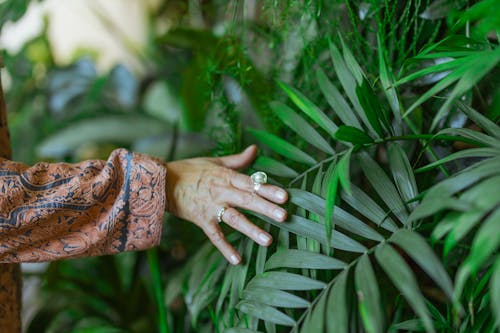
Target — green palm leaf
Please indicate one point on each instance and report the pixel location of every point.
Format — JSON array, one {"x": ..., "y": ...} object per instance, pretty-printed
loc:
[
  {"x": 265, "y": 312},
  {"x": 282, "y": 147},
  {"x": 416, "y": 247},
  {"x": 273, "y": 297},
  {"x": 383, "y": 186},
  {"x": 302, "y": 259},
  {"x": 274, "y": 167},
  {"x": 336, "y": 100},
  {"x": 315, "y": 320},
  {"x": 402, "y": 174},
  {"x": 300, "y": 126},
  {"x": 402, "y": 276},
  {"x": 368, "y": 296},
  {"x": 343, "y": 219},
  {"x": 285, "y": 281},
  {"x": 337, "y": 318},
  {"x": 310, "y": 109}
]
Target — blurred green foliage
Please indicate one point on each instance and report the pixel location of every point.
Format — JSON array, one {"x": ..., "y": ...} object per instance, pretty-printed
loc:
[{"x": 379, "y": 117}]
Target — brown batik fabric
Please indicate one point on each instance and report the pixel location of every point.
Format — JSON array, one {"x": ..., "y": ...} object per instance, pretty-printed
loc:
[{"x": 59, "y": 210}]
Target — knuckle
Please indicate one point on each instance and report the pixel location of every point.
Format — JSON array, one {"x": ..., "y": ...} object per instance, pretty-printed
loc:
[
  {"x": 234, "y": 217},
  {"x": 216, "y": 236},
  {"x": 245, "y": 199}
]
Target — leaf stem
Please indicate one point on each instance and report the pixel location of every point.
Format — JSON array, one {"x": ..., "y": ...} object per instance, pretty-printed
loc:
[{"x": 154, "y": 268}]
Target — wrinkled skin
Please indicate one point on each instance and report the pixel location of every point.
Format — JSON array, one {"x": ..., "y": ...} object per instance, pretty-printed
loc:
[{"x": 197, "y": 188}]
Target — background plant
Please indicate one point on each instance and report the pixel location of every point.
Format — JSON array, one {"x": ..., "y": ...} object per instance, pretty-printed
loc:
[{"x": 379, "y": 117}]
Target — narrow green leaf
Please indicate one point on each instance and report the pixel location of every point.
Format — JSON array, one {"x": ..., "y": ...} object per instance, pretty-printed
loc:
[
  {"x": 402, "y": 277},
  {"x": 412, "y": 325},
  {"x": 343, "y": 219},
  {"x": 344, "y": 171},
  {"x": 265, "y": 312},
  {"x": 351, "y": 62},
  {"x": 475, "y": 71},
  {"x": 302, "y": 259},
  {"x": 485, "y": 243},
  {"x": 442, "y": 84},
  {"x": 337, "y": 319},
  {"x": 226, "y": 286},
  {"x": 336, "y": 100},
  {"x": 370, "y": 305},
  {"x": 348, "y": 82},
  {"x": 418, "y": 249},
  {"x": 439, "y": 68},
  {"x": 365, "y": 205},
  {"x": 270, "y": 327},
  {"x": 310, "y": 109},
  {"x": 430, "y": 207},
  {"x": 307, "y": 200},
  {"x": 274, "y": 167},
  {"x": 438, "y": 197},
  {"x": 375, "y": 112},
  {"x": 331, "y": 195},
  {"x": 402, "y": 173},
  {"x": 474, "y": 135},
  {"x": 273, "y": 297},
  {"x": 451, "y": 219},
  {"x": 490, "y": 127},
  {"x": 353, "y": 135},
  {"x": 383, "y": 186},
  {"x": 464, "y": 179},
  {"x": 315, "y": 321},
  {"x": 317, "y": 188},
  {"x": 483, "y": 197},
  {"x": 290, "y": 118},
  {"x": 316, "y": 231},
  {"x": 495, "y": 292},
  {"x": 467, "y": 153},
  {"x": 387, "y": 79},
  {"x": 282, "y": 147},
  {"x": 285, "y": 281}
]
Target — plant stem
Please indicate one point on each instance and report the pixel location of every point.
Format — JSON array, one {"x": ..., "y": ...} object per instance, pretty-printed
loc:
[
  {"x": 432, "y": 137},
  {"x": 154, "y": 268}
]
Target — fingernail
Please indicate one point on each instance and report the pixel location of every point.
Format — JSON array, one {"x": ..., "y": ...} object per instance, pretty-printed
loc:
[
  {"x": 280, "y": 195},
  {"x": 279, "y": 214},
  {"x": 234, "y": 260},
  {"x": 264, "y": 238}
]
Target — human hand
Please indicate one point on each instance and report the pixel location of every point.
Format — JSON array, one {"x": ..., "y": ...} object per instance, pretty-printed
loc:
[{"x": 197, "y": 188}]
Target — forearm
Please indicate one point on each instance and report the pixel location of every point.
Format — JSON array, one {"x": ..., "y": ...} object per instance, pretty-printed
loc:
[{"x": 55, "y": 211}]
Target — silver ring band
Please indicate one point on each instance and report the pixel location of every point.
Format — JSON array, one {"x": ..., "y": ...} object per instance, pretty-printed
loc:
[{"x": 220, "y": 213}]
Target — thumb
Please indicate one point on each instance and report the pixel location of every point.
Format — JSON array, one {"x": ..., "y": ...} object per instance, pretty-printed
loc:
[{"x": 241, "y": 160}]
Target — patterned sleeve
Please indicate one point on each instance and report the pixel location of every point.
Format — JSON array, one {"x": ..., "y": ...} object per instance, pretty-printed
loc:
[{"x": 56, "y": 211}]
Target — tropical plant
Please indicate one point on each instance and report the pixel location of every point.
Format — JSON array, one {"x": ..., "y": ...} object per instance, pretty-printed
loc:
[
  {"x": 379, "y": 225},
  {"x": 382, "y": 124}
]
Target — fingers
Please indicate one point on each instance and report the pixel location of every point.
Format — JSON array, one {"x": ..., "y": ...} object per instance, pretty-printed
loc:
[
  {"x": 253, "y": 202},
  {"x": 216, "y": 236},
  {"x": 241, "y": 160},
  {"x": 270, "y": 192},
  {"x": 239, "y": 222}
]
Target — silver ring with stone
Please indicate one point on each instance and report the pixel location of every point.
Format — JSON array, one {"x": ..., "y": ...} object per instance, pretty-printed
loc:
[
  {"x": 258, "y": 178},
  {"x": 220, "y": 213}
]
